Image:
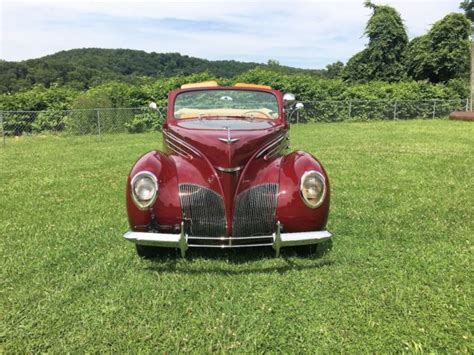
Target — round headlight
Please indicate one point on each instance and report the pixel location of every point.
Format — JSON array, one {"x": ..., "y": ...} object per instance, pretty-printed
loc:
[
  {"x": 144, "y": 189},
  {"x": 313, "y": 188}
]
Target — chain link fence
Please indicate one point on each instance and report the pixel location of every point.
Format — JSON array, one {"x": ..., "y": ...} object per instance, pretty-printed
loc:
[
  {"x": 81, "y": 122},
  {"x": 363, "y": 110},
  {"x": 136, "y": 120}
]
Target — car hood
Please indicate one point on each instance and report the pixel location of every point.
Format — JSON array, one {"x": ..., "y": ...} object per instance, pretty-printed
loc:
[{"x": 229, "y": 143}]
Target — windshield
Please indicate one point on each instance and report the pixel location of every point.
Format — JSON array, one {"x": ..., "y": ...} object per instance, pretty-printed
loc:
[{"x": 225, "y": 103}]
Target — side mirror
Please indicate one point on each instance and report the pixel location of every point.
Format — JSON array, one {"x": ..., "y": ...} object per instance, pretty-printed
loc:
[
  {"x": 293, "y": 109},
  {"x": 153, "y": 106},
  {"x": 288, "y": 100}
]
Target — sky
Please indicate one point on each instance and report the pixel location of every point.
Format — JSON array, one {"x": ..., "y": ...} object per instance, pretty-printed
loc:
[{"x": 305, "y": 34}]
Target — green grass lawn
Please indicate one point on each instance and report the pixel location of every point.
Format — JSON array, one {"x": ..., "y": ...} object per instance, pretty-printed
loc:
[{"x": 398, "y": 278}]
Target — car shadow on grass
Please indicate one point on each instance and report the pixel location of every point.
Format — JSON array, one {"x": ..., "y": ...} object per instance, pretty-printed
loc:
[{"x": 289, "y": 260}]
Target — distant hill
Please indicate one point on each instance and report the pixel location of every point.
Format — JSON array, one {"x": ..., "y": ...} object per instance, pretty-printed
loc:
[{"x": 86, "y": 67}]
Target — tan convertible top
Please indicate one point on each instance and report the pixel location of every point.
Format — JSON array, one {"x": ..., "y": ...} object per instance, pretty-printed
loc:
[{"x": 213, "y": 83}]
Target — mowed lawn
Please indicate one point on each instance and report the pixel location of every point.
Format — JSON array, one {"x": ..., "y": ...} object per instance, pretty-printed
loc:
[{"x": 399, "y": 276}]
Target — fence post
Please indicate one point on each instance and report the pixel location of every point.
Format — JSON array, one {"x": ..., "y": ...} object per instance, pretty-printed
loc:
[
  {"x": 3, "y": 129},
  {"x": 467, "y": 105},
  {"x": 298, "y": 116},
  {"x": 98, "y": 122},
  {"x": 162, "y": 118},
  {"x": 395, "y": 111},
  {"x": 434, "y": 108},
  {"x": 350, "y": 109}
]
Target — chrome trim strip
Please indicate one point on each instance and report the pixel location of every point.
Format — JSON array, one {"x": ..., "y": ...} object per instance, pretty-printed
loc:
[
  {"x": 181, "y": 142},
  {"x": 186, "y": 156},
  {"x": 271, "y": 144},
  {"x": 226, "y": 239},
  {"x": 177, "y": 149},
  {"x": 230, "y": 246},
  {"x": 229, "y": 170},
  {"x": 275, "y": 150}
]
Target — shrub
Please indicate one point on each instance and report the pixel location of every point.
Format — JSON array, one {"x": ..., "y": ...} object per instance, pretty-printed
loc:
[
  {"x": 145, "y": 121},
  {"x": 413, "y": 99},
  {"x": 81, "y": 122},
  {"x": 52, "y": 121}
]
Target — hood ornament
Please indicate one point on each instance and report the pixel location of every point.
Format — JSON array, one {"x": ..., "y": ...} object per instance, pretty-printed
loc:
[{"x": 229, "y": 139}]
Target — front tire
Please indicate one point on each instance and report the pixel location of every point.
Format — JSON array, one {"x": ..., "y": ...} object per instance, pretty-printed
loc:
[{"x": 148, "y": 252}]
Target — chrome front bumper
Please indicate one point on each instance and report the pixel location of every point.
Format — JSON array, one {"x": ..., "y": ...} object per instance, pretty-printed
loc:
[{"x": 181, "y": 241}]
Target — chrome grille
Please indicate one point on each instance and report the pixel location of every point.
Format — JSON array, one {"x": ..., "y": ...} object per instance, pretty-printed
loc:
[
  {"x": 254, "y": 212},
  {"x": 203, "y": 211}
]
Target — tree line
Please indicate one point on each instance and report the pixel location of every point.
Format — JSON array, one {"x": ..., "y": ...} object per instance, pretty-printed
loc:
[
  {"x": 441, "y": 56},
  {"x": 84, "y": 68}
]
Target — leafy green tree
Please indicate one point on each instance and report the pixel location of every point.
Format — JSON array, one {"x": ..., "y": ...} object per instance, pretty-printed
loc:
[
  {"x": 419, "y": 64},
  {"x": 468, "y": 7},
  {"x": 443, "y": 53},
  {"x": 273, "y": 63},
  {"x": 383, "y": 57},
  {"x": 334, "y": 70}
]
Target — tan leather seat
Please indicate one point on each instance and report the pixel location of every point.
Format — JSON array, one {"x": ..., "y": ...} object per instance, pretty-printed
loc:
[{"x": 186, "y": 113}]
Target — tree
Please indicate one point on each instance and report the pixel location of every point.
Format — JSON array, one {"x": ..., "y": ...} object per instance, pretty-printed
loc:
[
  {"x": 468, "y": 7},
  {"x": 334, "y": 70},
  {"x": 383, "y": 57},
  {"x": 443, "y": 53},
  {"x": 88, "y": 67},
  {"x": 419, "y": 65},
  {"x": 273, "y": 63}
]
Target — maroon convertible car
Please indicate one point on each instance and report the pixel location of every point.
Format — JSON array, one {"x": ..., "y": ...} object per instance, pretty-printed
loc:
[{"x": 223, "y": 179}]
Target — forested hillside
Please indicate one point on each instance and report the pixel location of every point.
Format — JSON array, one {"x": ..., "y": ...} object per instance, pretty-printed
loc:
[
  {"x": 391, "y": 67},
  {"x": 88, "y": 67}
]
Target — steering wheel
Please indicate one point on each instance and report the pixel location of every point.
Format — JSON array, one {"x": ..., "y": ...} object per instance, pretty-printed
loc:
[{"x": 266, "y": 114}]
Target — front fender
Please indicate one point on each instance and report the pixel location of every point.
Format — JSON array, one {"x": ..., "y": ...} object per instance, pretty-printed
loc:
[
  {"x": 166, "y": 210},
  {"x": 291, "y": 211}
]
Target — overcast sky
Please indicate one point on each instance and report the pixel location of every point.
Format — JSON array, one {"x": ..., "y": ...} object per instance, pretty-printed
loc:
[{"x": 307, "y": 34}]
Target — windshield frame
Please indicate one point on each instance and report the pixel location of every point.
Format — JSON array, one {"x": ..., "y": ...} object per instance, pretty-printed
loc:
[{"x": 275, "y": 93}]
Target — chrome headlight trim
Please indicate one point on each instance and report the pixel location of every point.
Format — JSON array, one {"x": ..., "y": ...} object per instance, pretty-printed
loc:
[
  {"x": 323, "y": 194},
  {"x": 143, "y": 205}
]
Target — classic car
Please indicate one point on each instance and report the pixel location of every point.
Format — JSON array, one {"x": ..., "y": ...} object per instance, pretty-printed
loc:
[{"x": 224, "y": 178}]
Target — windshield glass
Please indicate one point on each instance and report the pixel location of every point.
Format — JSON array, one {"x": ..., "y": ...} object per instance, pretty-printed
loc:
[{"x": 225, "y": 103}]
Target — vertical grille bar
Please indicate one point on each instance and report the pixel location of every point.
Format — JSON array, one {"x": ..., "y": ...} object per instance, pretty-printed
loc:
[
  {"x": 203, "y": 211},
  {"x": 254, "y": 212}
]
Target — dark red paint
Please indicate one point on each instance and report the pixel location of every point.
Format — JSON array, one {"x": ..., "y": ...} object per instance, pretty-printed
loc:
[{"x": 202, "y": 153}]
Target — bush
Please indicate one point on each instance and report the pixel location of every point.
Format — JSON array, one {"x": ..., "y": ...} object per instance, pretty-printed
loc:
[
  {"x": 36, "y": 99},
  {"x": 413, "y": 99},
  {"x": 81, "y": 122},
  {"x": 52, "y": 121},
  {"x": 146, "y": 121}
]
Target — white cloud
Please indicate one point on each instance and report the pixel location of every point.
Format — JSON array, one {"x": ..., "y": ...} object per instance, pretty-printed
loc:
[{"x": 299, "y": 33}]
